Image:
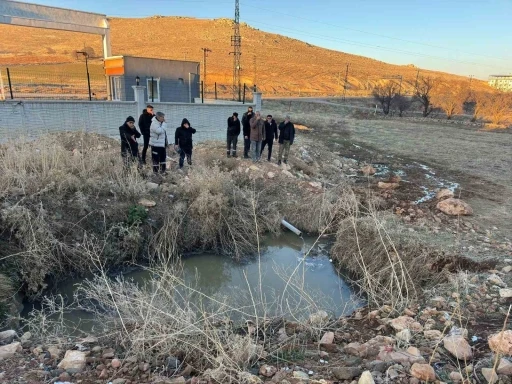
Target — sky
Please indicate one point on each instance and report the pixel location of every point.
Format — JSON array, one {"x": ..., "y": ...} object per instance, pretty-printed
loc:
[{"x": 466, "y": 37}]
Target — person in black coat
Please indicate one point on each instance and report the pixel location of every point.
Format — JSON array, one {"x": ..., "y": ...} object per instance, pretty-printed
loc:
[
  {"x": 246, "y": 124},
  {"x": 129, "y": 136},
  {"x": 286, "y": 138},
  {"x": 233, "y": 133},
  {"x": 144, "y": 125},
  {"x": 270, "y": 135},
  {"x": 183, "y": 141}
]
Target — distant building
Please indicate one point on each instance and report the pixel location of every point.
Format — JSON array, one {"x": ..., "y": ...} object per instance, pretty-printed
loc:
[
  {"x": 165, "y": 80},
  {"x": 501, "y": 82}
]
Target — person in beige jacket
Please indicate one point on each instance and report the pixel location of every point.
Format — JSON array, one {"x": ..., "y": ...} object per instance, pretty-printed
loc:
[{"x": 257, "y": 136}]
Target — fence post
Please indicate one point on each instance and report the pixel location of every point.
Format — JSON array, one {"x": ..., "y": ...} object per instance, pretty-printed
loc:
[
  {"x": 2, "y": 92},
  {"x": 10, "y": 83},
  {"x": 152, "y": 89},
  {"x": 202, "y": 92},
  {"x": 243, "y": 99},
  {"x": 215, "y": 90}
]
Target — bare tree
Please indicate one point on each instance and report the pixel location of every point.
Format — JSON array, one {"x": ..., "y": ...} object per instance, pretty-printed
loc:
[
  {"x": 423, "y": 93},
  {"x": 384, "y": 94},
  {"x": 402, "y": 103},
  {"x": 478, "y": 100},
  {"x": 496, "y": 108},
  {"x": 450, "y": 100}
]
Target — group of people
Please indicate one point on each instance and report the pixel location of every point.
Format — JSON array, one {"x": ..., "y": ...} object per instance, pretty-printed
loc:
[{"x": 258, "y": 133}]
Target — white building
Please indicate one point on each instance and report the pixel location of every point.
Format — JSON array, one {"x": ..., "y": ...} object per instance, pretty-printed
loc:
[{"x": 501, "y": 82}]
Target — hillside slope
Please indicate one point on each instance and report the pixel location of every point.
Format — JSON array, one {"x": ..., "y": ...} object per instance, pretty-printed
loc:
[{"x": 274, "y": 62}]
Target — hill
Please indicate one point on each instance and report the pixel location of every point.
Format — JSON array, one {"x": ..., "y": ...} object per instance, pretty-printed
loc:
[{"x": 277, "y": 64}]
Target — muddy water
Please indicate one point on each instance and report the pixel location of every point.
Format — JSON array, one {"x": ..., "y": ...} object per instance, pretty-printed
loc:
[{"x": 282, "y": 264}]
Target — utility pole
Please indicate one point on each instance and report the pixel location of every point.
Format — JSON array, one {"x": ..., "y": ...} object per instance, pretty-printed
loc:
[
  {"x": 345, "y": 84},
  {"x": 417, "y": 76},
  {"x": 205, "y": 55},
  {"x": 86, "y": 55},
  {"x": 236, "y": 43},
  {"x": 255, "y": 70}
]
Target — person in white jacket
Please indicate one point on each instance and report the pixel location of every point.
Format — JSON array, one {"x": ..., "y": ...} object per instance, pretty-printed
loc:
[{"x": 158, "y": 142}]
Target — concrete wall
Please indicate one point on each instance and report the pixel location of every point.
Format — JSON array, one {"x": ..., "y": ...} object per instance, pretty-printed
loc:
[{"x": 35, "y": 118}]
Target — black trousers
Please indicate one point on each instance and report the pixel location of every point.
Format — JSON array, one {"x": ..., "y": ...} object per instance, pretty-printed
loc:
[
  {"x": 247, "y": 147},
  {"x": 232, "y": 141},
  {"x": 145, "y": 148},
  {"x": 158, "y": 155},
  {"x": 270, "y": 144}
]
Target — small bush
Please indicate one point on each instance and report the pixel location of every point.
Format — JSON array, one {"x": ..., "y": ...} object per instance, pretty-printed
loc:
[{"x": 137, "y": 215}]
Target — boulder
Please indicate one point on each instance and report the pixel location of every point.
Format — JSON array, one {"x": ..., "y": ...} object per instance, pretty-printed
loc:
[
  {"x": 458, "y": 347},
  {"x": 387, "y": 186},
  {"x": 147, "y": 203},
  {"x": 74, "y": 360},
  {"x": 504, "y": 367},
  {"x": 501, "y": 343},
  {"x": 444, "y": 194},
  {"x": 9, "y": 350},
  {"x": 366, "y": 378},
  {"x": 423, "y": 372},
  {"x": 327, "y": 338},
  {"x": 489, "y": 375},
  {"x": 405, "y": 322},
  {"x": 267, "y": 370},
  {"x": 346, "y": 373},
  {"x": 454, "y": 207},
  {"x": 7, "y": 336},
  {"x": 368, "y": 170}
]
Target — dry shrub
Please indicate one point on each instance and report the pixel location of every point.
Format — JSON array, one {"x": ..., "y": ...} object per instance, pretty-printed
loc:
[{"x": 388, "y": 263}]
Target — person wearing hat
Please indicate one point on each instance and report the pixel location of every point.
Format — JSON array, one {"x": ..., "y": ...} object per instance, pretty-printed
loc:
[
  {"x": 144, "y": 126},
  {"x": 233, "y": 133},
  {"x": 129, "y": 136},
  {"x": 286, "y": 137},
  {"x": 158, "y": 142}
]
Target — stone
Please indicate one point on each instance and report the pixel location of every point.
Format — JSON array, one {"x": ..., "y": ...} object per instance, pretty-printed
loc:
[
  {"x": 504, "y": 367},
  {"x": 496, "y": 280},
  {"x": 271, "y": 175},
  {"x": 300, "y": 375},
  {"x": 439, "y": 302},
  {"x": 73, "y": 360},
  {"x": 458, "y": 347},
  {"x": 366, "y": 378},
  {"x": 26, "y": 336},
  {"x": 147, "y": 203},
  {"x": 456, "y": 377},
  {"x": 120, "y": 381},
  {"x": 319, "y": 318},
  {"x": 507, "y": 269},
  {"x": 116, "y": 363},
  {"x": 64, "y": 376},
  {"x": 399, "y": 357},
  {"x": 505, "y": 293},
  {"x": 414, "y": 351},
  {"x": 454, "y": 207},
  {"x": 489, "y": 375},
  {"x": 9, "y": 350},
  {"x": 178, "y": 380},
  {"x": 96, "y": 349},
  {"x": 408, "y": 312},
  {"x": 356, "y": 349},
  {"x": 444, "y": 194},
  {"x": 405, "y": 322},
  {"x": 433, "y": 335},
  {"x": 368, "y": 170},
  {"x": 346, "y": 373},
  {"x": 423, "y": 372},
  {"x": 151, "y": 186},
  {"x": 404, "y": 336},
  {"x": 316, "y": 184},
  {"x": 267, "y": 370},
  {"x": 103, "y": 374},
  {"x": 327, "y": 338},
  {"x": 387, "y": 186},
  {"x": 377, "y": 366},
  {"x": 287, "y": 173},
  {"x": 54, "y": 352},
  {"x": 254, "y": 168},
  {"x": 7, "y": 336},
  {"x": 501, "y": 343}
]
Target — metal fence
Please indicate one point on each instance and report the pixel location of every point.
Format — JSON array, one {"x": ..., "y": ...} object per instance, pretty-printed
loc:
[
  {"x": 55, "y": 82},
  {"x": 228, "y": 92}
]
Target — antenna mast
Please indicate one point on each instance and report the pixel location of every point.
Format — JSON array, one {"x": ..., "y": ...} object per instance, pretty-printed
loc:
[{"x": 236, "y": 43}]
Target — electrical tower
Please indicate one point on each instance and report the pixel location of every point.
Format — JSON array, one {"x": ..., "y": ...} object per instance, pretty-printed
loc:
[
  {"x": 236, "y": 43},
  {"x": 205, "y": 54}
]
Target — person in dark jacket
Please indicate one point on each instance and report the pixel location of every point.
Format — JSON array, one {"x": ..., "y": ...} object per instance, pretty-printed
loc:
[
  {"x": 144, "y": 126},
  {"x": 129, "y": 136},
  {"x": 183, "y": 141},
  {"x": 246, "y": 124},
  {"x": 286, "y": 137},
  {"x": 270, "y": 135},
  {"x": 233, "y": 133}
]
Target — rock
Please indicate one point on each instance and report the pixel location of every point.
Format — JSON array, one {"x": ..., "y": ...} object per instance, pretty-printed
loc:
[
  {"x": 356, "y": 349},
  {"x": 287, "y": 173},
  {"x": 444, "y": 194},
  {"x": 147, "y": 203},
  {"x": 414, "y": 351},
  {"x": 267, "y": 370},
  {"x": 506, "y": 293},
  {"x": 178, "y": 380},
  {"x": 454, "y": 207},
  {"x": 316, "y": 184},
  {"x": 103, "y": 374},
  {"x": 54, "y": 352},
  {"x": 423, "y": 372},
  {"x": 439, "y": 302},
  {"x": 319, "y": 318},
  {"x": 507, "y": 269},
  {"x": 173, "y": 363},
  {"x": 346, "y": 373},
  {"x": 433, "y": 335},
  {"x": 26, "y": 337},
  {"x": 89, "y": 340},
  {"x": 377, "y": 366},
  {"x": 456, "y": 377},
  {"x": 271, "y": 175},
  {"x": 394, "y": 179},
  {"x": 120, "y": 381},
  {"x": 9, "y": 350},
  {"x": 96, "y": 349},
  {"x": 405, "y": 322},
  {"x": 399, "y": 357},
  {"x": 108, "y": 354},
  {"x": 505, "y": 367},
  {"x": 501, "y": 343},
  {"x": 7, "y": 336},
  {"x": 151, "y": 186},
  {"x": 408, "y": 312},
  {"x": 404, "y": 336},
  {"x": 300, "y": 375},
  {"x": 74, "y": 360},
  {"x": 458, "y": 347},
  {"x": 254, "y": 168},
  {"x": 64, "y": 376},
  {"x": 490, "y": 375},
  {"x": 496, "y": 280},
  {"x": 327, "y": 338},
  {"x": 387, "y": 186},
  {"x": 366, "y": 378},
  {"x": 368, "y": 170},
  {"x": 116, "y": 363}
]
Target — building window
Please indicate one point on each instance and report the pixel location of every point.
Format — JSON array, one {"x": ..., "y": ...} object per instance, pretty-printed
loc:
[
  {"x": 117, "y": 88},
  {"x": 153, "y": 90}
]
